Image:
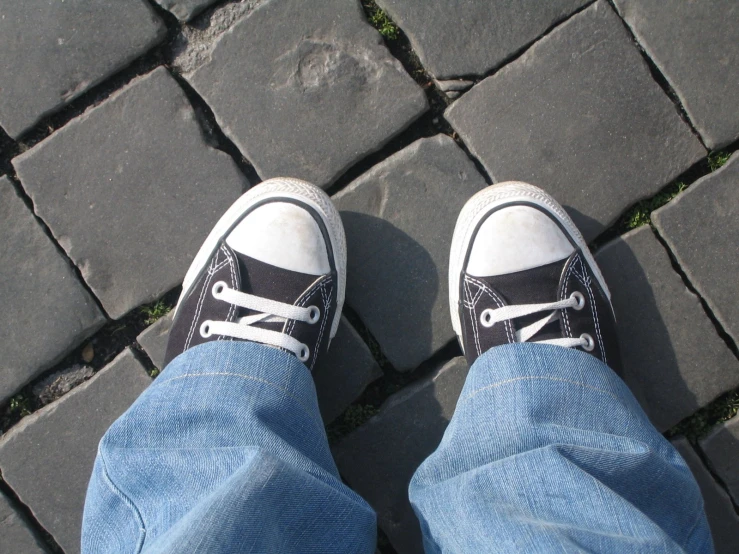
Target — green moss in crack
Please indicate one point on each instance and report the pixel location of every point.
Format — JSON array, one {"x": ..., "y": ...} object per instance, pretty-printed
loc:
[
  {"x": 700, "y": 423},
  {"x": 380, "y": 21},
  {"x": 717, "y": 159},
  {"x": 641, "y": 213},
  {"x": 19, "y": 405},
  {"x": 353, "y": 417},
  {"x": 154, "y": 311}
]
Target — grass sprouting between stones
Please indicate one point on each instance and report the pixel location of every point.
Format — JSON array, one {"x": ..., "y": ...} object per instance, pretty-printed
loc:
[
  {"x": 704, "y": 420},
  {"x": 154, "y": 311},
  {"x": 641, "y": 213},
  {"x": 718, "y": 159},
  {"x": 380, "y": 21},
  {"x": 19, "y": 405}
]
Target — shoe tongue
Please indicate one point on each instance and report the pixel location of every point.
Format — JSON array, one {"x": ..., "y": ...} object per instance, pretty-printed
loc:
[{"x": 537, "y": 285}]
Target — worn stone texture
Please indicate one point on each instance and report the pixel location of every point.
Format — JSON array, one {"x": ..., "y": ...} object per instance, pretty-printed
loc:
[
  {"x": 184, "y": 10},
  {"x": 45, "y": 310},
  {"x": 694, "y": 45},
  {"x": 379, "y": 459},
  {"x": 579, "y": 115},
  {"x": 130, "y": 189},
  {"x": 307, "y": 89},
  {"x": 722, "y": 518},
  {"x": 469, "y": 37},
  {"x": 154, "y": 339},
  {"x": 47, "y": 458},
  {"x": 51, "y": 52},
  {"x": 722, "y": 449},
  {"x": 15, "y": 535},
  {"x": 701, "y": 227},
  {"x": 399, "y": 218},
  {"x": 674, "y": 361}
]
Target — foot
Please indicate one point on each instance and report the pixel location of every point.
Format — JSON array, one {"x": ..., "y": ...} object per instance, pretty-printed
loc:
[
  {"x": 272, "y": 271},
  {"x": 520, "y": 271}
]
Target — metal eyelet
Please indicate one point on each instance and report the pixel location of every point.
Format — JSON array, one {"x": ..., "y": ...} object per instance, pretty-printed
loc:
[
  {"x": 218, "y": 289},
  {"x": 486, "y": 318},
  {"x": 577, "y": 295},
  {"x": 205, "y": 331},
  {"x": 314, "y": 314},
  {"x": 304, "y": 353},
  {"x": 590, "y": 346}
]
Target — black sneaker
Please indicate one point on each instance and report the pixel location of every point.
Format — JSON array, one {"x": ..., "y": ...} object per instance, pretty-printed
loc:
[
  {"x": 272, "y": 271},
  {"x": 520, "y": 271}
]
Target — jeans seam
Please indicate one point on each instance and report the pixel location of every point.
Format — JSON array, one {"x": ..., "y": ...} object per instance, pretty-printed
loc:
[
  {"x": 538, "y": 377},
  {"x": 126, "y": 500},
  {"x": 248, "y": 378}
]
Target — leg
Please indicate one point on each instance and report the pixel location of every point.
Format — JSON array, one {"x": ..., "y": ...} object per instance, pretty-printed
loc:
[{"x": 226, "y": 451}]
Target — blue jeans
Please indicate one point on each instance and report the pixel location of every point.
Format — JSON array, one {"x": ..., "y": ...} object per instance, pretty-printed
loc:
[{"x": 548, "y": 451}]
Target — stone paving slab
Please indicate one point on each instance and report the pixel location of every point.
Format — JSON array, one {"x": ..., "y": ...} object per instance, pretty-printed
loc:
[
  {"x": 45, "y": 310},
  {"x": 52, "y": 51},
  {"x": 47, "y": 458},
  {"x": 674, "y": 361},
  {"x": 399, "y": 218},
  {"x": 15, "y": 535},
  {"x": 694, "y": 45},
  {"x": 722, "y": 449},
  {"x": 340, "y": 376},
  {"x": 379, "y": 459},
  {"x": 130, "y": 189},
  {"x": 184, "y": 10},
  {"x": 722, "y": 519},
  {"x": 701, "y": 227},
  {"x": 579, "y": 115},
  {"x": 468, "y": 37},
  {"x": 307, "y": 89}
]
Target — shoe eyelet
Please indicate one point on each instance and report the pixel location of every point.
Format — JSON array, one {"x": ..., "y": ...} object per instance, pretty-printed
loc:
[
  {"x": 314, "y": 314},
  {"x": 205, "y": 330},
  {"x": 590, "y": 343},
  {"x": 486, "y": 318},
  {"x": 304, "y": 353},
  {"x": 577, "y": 295},
  {"x": 218, "y": 289}
]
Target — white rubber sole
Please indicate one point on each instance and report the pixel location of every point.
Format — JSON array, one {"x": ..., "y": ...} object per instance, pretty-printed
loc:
[
  {"x": 292, "y": 189},
  {"x": 479, "y": 206}
]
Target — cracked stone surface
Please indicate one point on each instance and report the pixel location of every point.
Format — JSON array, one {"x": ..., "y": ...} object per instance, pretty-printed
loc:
[
  {"x": 36, "y": 279},
  {"x": 340, "y": 376},
  {"x": 579, "y": 115},
  {"x": 379, "y": 459},
  {"x": 15, "y": 535},
  {"x": 722, "y": 518},
  {"x": 47, "y": 458},
  {"x": 467, "y": 37},
  {"x": 306, "y": 90},
  {"x": 694, "y": 46},
  {"x": 701, "y": 227},
  {"x": 722, "y": 449},
  {"x": 674, "y": 361},
  {"x": 399, "y": 218},
  {"x": 184, "y": 10},
  {"x": 51, "y": 52},
  {"x": 130, "y": 189}
]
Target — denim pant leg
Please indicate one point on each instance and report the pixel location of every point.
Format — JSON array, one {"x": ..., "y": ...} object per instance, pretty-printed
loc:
[
  {"x": 224, "y": 453},
  {"x": 548, "y": 451}
]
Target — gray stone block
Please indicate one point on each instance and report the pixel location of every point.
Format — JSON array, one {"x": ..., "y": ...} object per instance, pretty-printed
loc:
[
  {"x": 722, "y": 518},
  {"x": 343, "y": 374},
  {"x": 130, "y": 189},
  {"x": 674, "y": 361},
  {"x": 722, "y": 449},
  {"x": 379, "y": 459},
  {"x": 468, "y": 37},
  {"x": 694, "y": 45},
  {"x": 51, "y": 52},
  {"x": 579, "y": 115},
  {"x": 399, "y": 219},
  {"x": 154, "y": 339},
  {"x": 47, "y": 458},
  {"x": 15, "y": 535},
  {"x": 45, "y": 310},
  {"x": 184, "y": 10},
  {"x": 307, "y": 89},
  {"x": 701, "y": 227}
]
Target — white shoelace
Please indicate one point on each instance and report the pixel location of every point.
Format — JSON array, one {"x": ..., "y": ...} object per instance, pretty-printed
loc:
[
  {"x": 269, "y": 311},
  {"x": 576, "y": 301}
]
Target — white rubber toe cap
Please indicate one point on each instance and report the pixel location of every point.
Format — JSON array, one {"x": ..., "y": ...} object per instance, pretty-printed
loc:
[
  {"x": 283, "y": 235},
  {"x": 516, "y": 238}
]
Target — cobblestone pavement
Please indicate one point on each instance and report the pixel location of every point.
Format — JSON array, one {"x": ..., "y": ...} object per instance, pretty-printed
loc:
[{"x": 127, "y": 127}]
